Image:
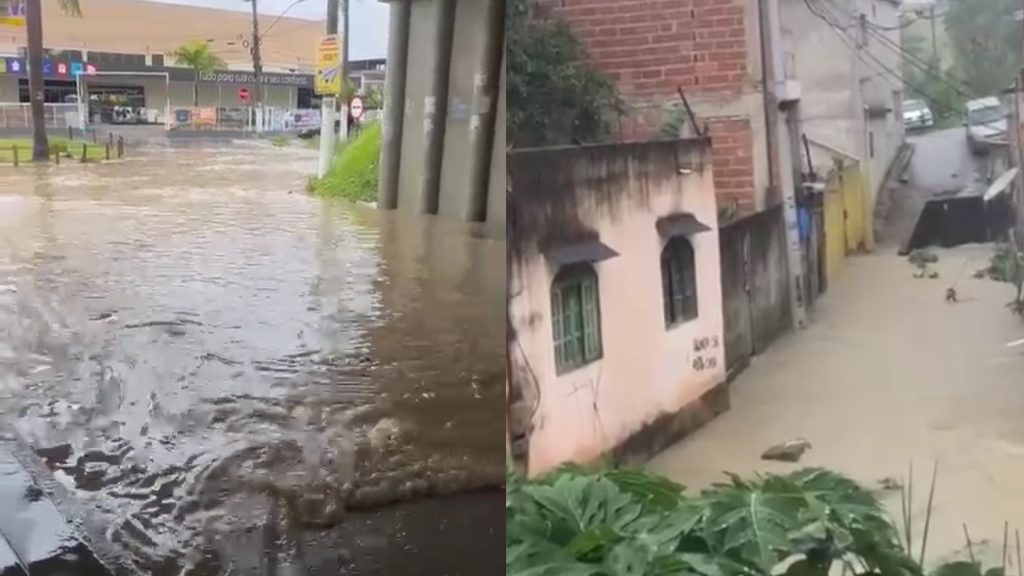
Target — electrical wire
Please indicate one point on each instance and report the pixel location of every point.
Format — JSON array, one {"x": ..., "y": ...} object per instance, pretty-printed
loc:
[{"x": 860, "y": 54}]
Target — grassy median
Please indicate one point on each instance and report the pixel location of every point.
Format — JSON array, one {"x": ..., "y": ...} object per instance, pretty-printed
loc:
[
  {"x": 70, "y": 149},
  {"x": 353, "y": 174}
]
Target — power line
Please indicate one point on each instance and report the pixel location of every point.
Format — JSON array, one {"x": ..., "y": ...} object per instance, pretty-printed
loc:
[{"x": 860, "y": 54}]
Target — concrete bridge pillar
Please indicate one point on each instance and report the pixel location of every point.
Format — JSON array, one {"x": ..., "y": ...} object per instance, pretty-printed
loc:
[{"x": 443, "y": 98}]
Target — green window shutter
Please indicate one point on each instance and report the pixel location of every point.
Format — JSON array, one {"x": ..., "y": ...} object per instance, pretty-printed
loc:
[
  {"x": 591, "y": 320},
  {"x": 558, "y": 332},
  {"x": 572, "y": 325}
]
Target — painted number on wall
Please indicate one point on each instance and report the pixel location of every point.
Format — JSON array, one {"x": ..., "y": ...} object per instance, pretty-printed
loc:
[{"x": 704, "y": 357}]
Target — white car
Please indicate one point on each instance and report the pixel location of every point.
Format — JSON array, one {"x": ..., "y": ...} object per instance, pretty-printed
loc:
[
  {"x": 917, "y": 115},
  {"x": 986, "y": 122}
]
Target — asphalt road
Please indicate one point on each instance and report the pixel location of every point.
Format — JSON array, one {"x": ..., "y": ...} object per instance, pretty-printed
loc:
[
  {"x": 942, "y": 162},
  {"x": 941, "y": 166}
]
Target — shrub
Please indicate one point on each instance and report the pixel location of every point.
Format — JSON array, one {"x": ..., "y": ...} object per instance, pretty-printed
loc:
[
  {"x": 353, "y": 175},
  {"x": 627, "y": 523}
]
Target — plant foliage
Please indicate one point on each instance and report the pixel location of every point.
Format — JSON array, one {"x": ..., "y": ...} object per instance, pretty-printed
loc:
[
  {"x": 554, "y": 95},
  {"x": 628, "y": 523}
]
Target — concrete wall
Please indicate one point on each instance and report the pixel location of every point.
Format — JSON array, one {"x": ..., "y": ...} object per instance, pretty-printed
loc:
[
  {"x": 496, "y": 204},
  {"x": 469, "y": 39},
  {"x": 421, "y": 57},
  {"x": 647, "y": 372},
  {"x": 837, "y": 87},
  {"x": 712, "y": 50}
]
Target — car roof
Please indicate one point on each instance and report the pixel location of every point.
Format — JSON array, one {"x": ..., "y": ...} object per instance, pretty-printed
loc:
[
  {"x": 988, "y": 102},
  {"x": 914, "y": 103}
]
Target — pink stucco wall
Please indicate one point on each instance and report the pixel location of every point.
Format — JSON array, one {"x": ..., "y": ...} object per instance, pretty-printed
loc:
[{"x": 646, "y": 370}]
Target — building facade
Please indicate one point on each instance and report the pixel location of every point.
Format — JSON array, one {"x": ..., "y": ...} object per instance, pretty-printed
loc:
[
  {"x": 123, "y": 52},
  {"x": 615, "y": 301},
  {"x": 826, "y": 66}
]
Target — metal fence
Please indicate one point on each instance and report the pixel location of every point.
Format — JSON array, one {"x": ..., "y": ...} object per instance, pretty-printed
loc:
[{"x": 58, "y": 116}]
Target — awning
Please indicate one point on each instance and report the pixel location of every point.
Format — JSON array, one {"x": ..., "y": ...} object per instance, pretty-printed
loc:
[
  {"x": 1001, "y": 184},
  {"x": 590, "y": 251},
  {"x": 681, "y": 224}
]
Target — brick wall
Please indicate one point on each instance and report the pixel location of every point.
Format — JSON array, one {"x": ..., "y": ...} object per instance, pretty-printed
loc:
[{"x": 651, "y": 47}]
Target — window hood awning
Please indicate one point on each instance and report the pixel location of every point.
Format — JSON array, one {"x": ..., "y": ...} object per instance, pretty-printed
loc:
[
  {"x": 590, "y": 252},
  {"x": 682, "y": 224}
]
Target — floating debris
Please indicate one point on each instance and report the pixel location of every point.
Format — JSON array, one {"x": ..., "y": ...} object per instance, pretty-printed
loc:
[{"x": 790, "y": 451}]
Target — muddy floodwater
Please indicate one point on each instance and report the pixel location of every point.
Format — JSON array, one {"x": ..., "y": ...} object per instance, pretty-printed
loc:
[{"x": 234, "y": 377}]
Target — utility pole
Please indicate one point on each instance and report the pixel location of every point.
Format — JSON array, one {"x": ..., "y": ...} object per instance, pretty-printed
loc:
[
  {"x": 935, "y": 44},
  {"x": 257, "y": 67},
  {"x": 344, "y": 70},
  {"x": 329, "y": 103}
]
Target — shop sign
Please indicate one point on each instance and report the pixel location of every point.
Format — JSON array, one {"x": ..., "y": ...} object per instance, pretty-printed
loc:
[
  {"x": 250, "y": 78},
  {"x": 12, "y": 13},
  {"x": 51, "y": 68}
]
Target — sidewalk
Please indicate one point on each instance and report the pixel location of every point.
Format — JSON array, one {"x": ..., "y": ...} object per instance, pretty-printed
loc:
[
  {"x": 888, "y": 373},
  {"x": 35, "y": 534}
]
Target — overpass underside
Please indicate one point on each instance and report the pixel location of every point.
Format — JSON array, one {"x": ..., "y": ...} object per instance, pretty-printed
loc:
[{"x": 443, "y": 149}]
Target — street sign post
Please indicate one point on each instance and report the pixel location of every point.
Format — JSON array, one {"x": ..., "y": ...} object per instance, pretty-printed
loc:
[
  {"x": 328, "y": 66},
  {"x": 356, "y": 107},
  {"x": 244, "y": 95}
]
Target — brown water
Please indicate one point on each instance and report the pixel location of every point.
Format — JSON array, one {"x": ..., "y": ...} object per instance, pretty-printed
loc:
[{"x": 204, "y": 353}]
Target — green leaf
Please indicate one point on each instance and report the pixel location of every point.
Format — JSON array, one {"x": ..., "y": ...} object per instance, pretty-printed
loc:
[
  {"x": 627, "y": 558},
  {"x": 960, "y": 568}
]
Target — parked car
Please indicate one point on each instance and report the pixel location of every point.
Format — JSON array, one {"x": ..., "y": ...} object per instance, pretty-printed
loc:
[
  {"x": 985, "y": 122},
  {"x": 917, "y": 115}
]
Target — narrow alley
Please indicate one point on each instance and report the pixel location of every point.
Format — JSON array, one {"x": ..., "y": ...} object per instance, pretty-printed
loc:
[{"x": 888, "y": 374}]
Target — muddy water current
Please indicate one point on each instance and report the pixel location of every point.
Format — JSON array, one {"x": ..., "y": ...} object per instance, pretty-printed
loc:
[{"x": 234, "y": 377}]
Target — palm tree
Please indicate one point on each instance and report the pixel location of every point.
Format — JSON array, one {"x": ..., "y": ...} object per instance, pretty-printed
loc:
[
  {"x": 197, "y": 55},
  {"x": 37, "y": 97}
]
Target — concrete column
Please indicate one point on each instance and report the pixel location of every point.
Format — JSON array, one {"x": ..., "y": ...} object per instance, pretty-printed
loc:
[
  {"x": 435, "y": 105},
  {"x": 394, "y": 105},
  {"x": 481, "y": 124}
]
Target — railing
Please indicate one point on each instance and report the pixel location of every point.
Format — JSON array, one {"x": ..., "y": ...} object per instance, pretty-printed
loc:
[{"x": 55, "y": 116}]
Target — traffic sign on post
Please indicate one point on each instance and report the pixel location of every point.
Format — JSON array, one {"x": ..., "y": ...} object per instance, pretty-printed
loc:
[
  {"x": 356, "y": 107},
  {"x": 244, "y": 94},
  {"x": 328, "y": 66}
]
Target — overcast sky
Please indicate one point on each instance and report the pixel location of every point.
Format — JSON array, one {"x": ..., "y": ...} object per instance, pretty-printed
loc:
[{"x": 369, "y": 26}]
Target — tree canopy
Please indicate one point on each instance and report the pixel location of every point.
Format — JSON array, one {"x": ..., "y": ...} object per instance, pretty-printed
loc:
[
  {"x": 555, "y": 96},
  {"x": 197, "y": 55},
  {"x": 986, "y": 42}
]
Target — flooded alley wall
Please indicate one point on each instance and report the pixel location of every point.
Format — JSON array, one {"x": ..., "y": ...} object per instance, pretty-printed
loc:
[{"x": 606, "y": 362}]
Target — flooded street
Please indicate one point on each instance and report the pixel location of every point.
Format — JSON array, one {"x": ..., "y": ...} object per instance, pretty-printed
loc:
[
  {"x": 234, "y": 377},
  {"x": 888, "y": 373}
]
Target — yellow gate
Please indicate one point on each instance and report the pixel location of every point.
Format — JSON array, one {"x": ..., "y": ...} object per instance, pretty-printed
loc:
[{"x": 844, "y": 215}]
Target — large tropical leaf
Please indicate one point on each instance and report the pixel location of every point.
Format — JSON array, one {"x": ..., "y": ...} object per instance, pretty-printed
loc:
[{"x": 746, "y": 521}]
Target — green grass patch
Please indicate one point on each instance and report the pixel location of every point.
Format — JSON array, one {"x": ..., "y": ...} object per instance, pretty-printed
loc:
[
  {"x": 280, "y": 140},
  {"x": 68, "y": 149},
  {"x": 353, "y": 174}
]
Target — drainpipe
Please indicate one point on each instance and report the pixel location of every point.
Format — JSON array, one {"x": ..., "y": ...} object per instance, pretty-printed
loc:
[
  {"x": 435, "y": 106},
  {"x": 394, "y": 105},
  {"x": 485, "y": 101}
]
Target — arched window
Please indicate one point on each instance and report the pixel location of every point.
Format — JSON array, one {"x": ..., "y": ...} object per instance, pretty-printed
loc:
[
  {"x": 575, "y": 317},
  {"x": 678, "y": 281}
]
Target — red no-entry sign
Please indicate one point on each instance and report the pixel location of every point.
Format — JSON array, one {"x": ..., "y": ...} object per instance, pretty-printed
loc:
[
  {"x": 356, "y": 107},
  {"x": 244, "y": 94}
]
